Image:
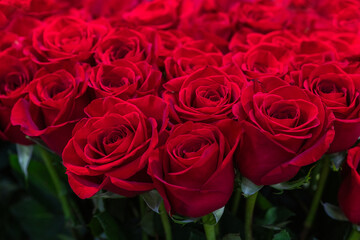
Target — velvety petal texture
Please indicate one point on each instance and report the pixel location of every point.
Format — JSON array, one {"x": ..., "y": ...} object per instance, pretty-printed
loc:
[
  {"x": 206, "y": 95},
  {"x": 285, "y": 128},
  {"x": 53, "y": 104},
  {"x": 340, "y": 92},
  {"x": 349, "y": 192},
  {"x": 110, "y": 149},
  {"x": 193, "y": 171}
]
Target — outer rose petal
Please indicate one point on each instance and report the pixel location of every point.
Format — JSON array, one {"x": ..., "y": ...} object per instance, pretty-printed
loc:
[
  {"x": 204, "y": 195},
  {"x": 346, "y": 134},
  {"x": 349, "y": 192},
  {"x": 83, "y": 187}
]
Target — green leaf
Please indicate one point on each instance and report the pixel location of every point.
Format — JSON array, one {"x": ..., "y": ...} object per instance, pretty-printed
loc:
[
  {"x": 110, "y": 226},
  {"x": 337, "y": 159},
  {"x": 152, "y": 199},
  {"x": 183, "y": 220},
  {"x": 276, "y": 218},
  {"x": 248, "y": 187},
  {"x": 95, "y": 227},
  {"x": 196, "y": 235},
  {"x": 232, "y": 236},
  {"x": 24, "y": 156},
  {"x": 107, "y": 195},
  {"x": 214, "y": 217},
  {"x": 283, "y": 235},
  {"x": 37, "y": 221},
  {"x": 357, "y": 227},
  {"x": 147, "y": 223},
  {"x": 334, "y": 212},
  {"x": 296, "y": 184}
]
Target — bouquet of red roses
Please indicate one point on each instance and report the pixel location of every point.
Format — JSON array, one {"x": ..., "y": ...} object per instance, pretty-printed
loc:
[{"x": 188, "y": 103}]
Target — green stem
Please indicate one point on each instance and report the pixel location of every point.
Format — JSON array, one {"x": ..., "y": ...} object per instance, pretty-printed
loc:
[
  {"x": 59, "y": 187},
  {"x": 236, "y": 202},
  {"x": 325, "y": 169},
  {"x": 209, "y": 231},
  {"x": 263, "y": 203},
  {"x": 165, "y": 222},
  {"x": 249, "y": 213},
  {"x": 144, "y": 236},
  {"x": 354, "y": 235}
]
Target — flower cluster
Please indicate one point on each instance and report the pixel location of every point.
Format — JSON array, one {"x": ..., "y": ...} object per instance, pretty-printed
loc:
[{"x": 177, "y": 95}]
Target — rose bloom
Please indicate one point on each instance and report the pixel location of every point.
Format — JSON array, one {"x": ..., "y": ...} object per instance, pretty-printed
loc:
[
  {"x": 53, "y": 104},
  {"x": 15, "y": 75},
  {"x": 314, "y": 50},
  {"x": 109, "y": 8},
  {"x": 206, "y": 95},
  {"x": 212, "y": 26},
  {"x": 193, "y": 171},
  {"x": 260, "y": 17},
  {"x": 349, "y": 192},
  {"x": 65, "y": 38},
  {"x": 285, "y": 128},
  {"x": 192, "y": 56},
  {"x": 161, "y": 14},
  {"x": 110, "y": 149},
  {"x": 124, "y": 43},
  {"x": 340, "y": 92},
  {"x": 242, "y": 42},
  {"x": 263, "y": 59},
  {"x": 166, "y": 41},
  {"x": 125, "y": 79}
]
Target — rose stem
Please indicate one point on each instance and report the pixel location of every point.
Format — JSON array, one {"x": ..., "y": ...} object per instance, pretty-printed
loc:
[
  {"x": 249, "y": 212},
  {"x": 209, "y": 231},
  {"x": 165, "y": 222},
  {"x": 317, "y": 197},
  {"x": 59, "y": 187},
  {"x": 354, "y": 235},
  {"x": 236, "y": 201},
  {"x": 144, "y": 236}
]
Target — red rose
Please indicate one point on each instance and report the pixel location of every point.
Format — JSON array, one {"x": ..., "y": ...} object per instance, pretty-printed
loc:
[
  {"x": 109, "y": 8},
  {"x": 7, "y": 11},
  {"x": 15, "y": 75},
  {"x": 212, "y": 26},
  {"x": 205, "y": 95},
  {"x": 166, "y": 41},
  {"x": 54, "y": 103},
  {"x": 314, "y": 51},
  {"x": 125, "y": 79},
  {"x": 348, "y": 19},
  {"x": 285, "y": 128},
  {"x": 124, "y": 43},
  {"x": 242, "y": 42},
  {"x": 259, "y": 16},
  {"x": 349, "y": 192},
  {"x": 110, "y": 149},
  {"x": 161, "y": 14},
  {"x": 64, "y": 37},
  {"x": 340, "y": 92},
  {"x": 193, "y": 171},
  {"x": 191, "y": 56},
  {"x": 264, "y": 59},
  {"x": 346, "y": 44}
]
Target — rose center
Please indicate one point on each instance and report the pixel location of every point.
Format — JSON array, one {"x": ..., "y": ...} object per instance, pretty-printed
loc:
[
  {"x": 192, "y": 148},
  {"x": 115, "y": 135},
  {"x": 286, "y": 112},
  {"x": 120, "y": 52},
  {"x": 212, "y": 95},
  {"x": 328, "y": 87},
  {"x": 12, "y": 82},
  {"x": 54, "y": 90}
]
